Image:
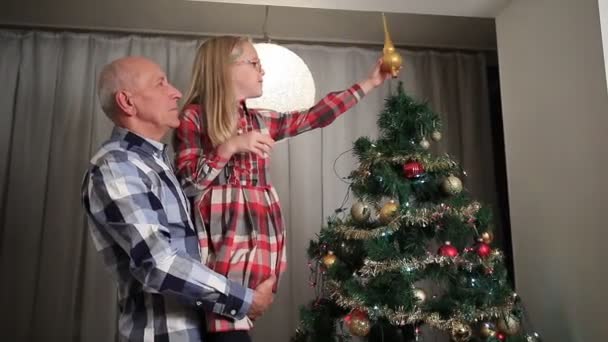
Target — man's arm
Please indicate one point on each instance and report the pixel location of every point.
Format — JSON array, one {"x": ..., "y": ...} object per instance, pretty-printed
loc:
[{"x": 120, "y": 203}]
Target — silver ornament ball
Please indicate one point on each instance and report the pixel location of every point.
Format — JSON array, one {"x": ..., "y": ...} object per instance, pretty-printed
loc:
[{"x": 425, "y": 144}]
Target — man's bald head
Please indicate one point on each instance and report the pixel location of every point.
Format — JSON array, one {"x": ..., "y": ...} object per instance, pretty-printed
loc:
[
  {"x": 118, "y": 75},
  {"x": 135, "y": 94}
]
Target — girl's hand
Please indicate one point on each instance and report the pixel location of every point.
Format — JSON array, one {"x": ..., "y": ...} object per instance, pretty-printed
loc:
[
  {"x": 254, "y": 142},
  {"x": 375, "y": 78}
]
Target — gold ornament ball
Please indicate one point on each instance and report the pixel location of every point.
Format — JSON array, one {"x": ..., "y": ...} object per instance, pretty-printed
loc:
[
  {"x": 436, "y": 136},
  {"x": 420, "y": 295},
  {"x": 509, "y": 324},
  {"x": 388, "y": 212},
  {"x": 488, "y": 329},
  {"x": 358, "y": 323},
  {"x": 360, "y": 211},
  {"x": 425, "y": 144},
  {"x": 452, "y": 185},
  {"x": 330, "y": 259},
  {"x": 487, "y": 237},
  {"x": 461, "y": 333}
]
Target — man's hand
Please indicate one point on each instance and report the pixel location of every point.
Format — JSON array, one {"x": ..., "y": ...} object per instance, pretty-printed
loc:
[{"x": 262, "y": 298}]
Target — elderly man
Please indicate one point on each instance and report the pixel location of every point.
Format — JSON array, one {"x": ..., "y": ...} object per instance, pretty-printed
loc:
[{"x": 140, "y": 219}]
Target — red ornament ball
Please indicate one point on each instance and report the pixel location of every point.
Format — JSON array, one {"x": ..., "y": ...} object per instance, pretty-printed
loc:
[
  {"x": 483, "y": 250},
  {"x": 448, "y": 250},
  {"x": 412, "y": 169}
]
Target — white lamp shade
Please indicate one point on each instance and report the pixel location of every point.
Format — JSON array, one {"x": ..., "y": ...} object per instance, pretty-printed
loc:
[{"x": 288, "y": 83}]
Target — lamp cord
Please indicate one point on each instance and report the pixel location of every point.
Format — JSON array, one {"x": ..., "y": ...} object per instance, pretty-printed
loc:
[{"x": 265, "y": 26}]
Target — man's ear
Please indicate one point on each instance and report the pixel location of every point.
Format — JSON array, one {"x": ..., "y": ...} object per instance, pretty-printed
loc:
[{"x": 124, "y": 103}]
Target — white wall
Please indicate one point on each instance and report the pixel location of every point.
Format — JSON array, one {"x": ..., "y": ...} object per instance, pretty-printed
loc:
[
  {"x": 555, "y": 105},
  {"x": 603, "y": 7}
]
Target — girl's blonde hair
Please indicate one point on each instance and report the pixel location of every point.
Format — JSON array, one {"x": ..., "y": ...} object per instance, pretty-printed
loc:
[{"x": 211, "y": 85}]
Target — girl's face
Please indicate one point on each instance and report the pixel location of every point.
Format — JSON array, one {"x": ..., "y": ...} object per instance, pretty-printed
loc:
[{"x": 247, "y": 72}]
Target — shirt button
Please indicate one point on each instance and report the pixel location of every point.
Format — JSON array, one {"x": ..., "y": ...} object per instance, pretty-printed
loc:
[
  {"x": 199, "y": 303},
  {"x": 233, "y": 312}
]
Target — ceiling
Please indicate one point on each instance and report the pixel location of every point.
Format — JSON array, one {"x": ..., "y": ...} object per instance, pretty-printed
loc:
[
  {"x": 448, "y": 24},
  {"x": 462, "y": 8}
]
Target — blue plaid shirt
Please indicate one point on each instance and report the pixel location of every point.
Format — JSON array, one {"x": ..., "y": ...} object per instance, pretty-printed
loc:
[{"x": 140, "y": 222}]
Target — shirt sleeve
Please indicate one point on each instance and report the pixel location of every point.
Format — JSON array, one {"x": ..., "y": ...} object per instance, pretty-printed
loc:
[
  {"x": 284, "y": 125},
  {"x": 196, "y": 168},
  {"x": 126, "y": 212}
]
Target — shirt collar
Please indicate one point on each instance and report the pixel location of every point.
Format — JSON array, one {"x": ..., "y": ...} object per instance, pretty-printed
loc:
[{"x": 134, "y": 140}]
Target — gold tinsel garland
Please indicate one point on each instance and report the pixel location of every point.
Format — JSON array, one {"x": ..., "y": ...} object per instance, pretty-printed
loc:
[
  {"x": 402, "y": 317},
  {"x": 431, "y": 164},
  {"x": 373, "y": 268},
  {"x": 423, "y": 217}
]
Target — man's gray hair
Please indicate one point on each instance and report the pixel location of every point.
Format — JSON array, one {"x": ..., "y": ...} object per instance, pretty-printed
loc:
[{"x": 112, "y": 78}]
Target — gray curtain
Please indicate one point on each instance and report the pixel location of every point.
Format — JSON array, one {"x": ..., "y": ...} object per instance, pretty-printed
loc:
[{"x": 54, "y": 287}]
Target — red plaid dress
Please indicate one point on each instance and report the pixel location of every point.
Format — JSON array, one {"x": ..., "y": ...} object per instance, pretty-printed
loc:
[{"x": 236, "y": 209}]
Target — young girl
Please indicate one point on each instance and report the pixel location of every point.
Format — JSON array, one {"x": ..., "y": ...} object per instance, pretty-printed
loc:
[{"x": 222, "y": 150}]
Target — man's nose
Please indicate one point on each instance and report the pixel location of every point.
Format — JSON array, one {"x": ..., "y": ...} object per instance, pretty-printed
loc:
[{"x": 175, "y": 93}]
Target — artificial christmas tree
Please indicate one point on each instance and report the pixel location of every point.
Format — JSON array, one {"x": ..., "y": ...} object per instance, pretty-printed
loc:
[{"x": 414, "y": 249}]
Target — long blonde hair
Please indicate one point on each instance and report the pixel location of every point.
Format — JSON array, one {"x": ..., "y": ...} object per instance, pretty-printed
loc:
[{"x": 211, "y": 86}]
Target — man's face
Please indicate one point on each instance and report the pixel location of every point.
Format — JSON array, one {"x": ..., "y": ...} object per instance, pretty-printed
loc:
[{"x": 154, "y": 97}]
